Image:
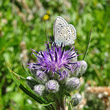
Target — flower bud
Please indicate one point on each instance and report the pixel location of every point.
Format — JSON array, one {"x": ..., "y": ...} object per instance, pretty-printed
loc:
[
  {"x": 52, "y": 86},
  {"x": 76, "y": 99},
  {"x": 39, "y": 89},
  {"x": 41, "y": 76},
  {"x": 31, "y": 82},
  {"x": 81, "y": 68},
  {"x": 72, "y": 83},
  {"x": 64, "y": 75}
]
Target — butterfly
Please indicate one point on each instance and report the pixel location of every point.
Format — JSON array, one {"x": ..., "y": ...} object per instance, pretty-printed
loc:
[{"x": 64, "y": 33}]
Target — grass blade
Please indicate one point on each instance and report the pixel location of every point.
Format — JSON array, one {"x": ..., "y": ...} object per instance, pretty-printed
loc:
[{"x": 87, "y": 44}]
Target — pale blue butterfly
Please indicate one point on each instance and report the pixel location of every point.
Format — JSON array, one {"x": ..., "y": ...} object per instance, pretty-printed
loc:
[{"x": 63, "y": 32}]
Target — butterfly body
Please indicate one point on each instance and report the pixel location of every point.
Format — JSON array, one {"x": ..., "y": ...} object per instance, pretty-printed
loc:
[{"x": 63, "y": 32}]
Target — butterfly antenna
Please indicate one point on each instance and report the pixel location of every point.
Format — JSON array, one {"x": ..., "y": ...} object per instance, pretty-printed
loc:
[{"x": 87, "y": 45}]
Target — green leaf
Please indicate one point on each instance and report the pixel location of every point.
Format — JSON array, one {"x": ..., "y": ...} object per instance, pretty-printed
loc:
[
  {"x": 40, "y": 100},
  {"x": 31, "y": 94},
  {"x": 70, "y": 106},
  {"x": 67, "y": 94},
  {"x": 28, "y": 74},
  {"x": 15, "y": 76}
]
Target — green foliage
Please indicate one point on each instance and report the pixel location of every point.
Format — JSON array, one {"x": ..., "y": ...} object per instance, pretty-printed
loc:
[{"x": 26, "y": 22}]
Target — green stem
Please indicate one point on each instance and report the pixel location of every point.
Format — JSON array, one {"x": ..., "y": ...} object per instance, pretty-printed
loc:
[{"x": 60, "y": 104}]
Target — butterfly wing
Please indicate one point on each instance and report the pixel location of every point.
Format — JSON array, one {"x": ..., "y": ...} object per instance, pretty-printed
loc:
[
  {"x": 59, "y": 24},
  {"x": 66, "y": 36}
]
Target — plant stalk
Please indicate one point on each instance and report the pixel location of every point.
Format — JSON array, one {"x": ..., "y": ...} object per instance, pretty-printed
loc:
[{"x": 60, "y": 104}]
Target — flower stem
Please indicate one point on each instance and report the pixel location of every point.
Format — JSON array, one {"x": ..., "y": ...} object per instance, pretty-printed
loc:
[{"x": 60, "y": 104}]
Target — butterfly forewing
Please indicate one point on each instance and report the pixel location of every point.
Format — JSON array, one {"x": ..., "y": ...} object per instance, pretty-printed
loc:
[
  {"x": 58, "y": 25},
  {"x": 63, "y": 32}
]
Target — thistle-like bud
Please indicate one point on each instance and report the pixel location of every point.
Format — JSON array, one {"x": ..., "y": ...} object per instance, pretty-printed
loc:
[
  {"x": 72, "y": 83},
  {"x": 41, "y": 76},
  {"x": 31, "y": 82},
  {"x": 76, "y": 99},
  {"x": 64, "y": 75},
  {"x": 81, "y": 68},
  {"x": 52, "y": 86},
  {"x": 39, "y": 89}
]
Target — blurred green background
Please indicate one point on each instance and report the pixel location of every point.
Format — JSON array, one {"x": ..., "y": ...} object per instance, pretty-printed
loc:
[{"x": 24, "y": 25}]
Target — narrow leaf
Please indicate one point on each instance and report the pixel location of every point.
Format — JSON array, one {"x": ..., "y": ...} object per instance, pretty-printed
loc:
[
  {"x": 28, "y": 74},
  {"x": 87, "y": 44},
  {"x": 39, "y": 100}
]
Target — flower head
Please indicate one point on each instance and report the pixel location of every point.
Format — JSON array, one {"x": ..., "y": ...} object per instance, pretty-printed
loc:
[{"x": 55, "y": 60}]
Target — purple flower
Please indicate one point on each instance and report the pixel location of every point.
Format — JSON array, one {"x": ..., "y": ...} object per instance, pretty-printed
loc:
[{"x": 55, "y": 60}]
